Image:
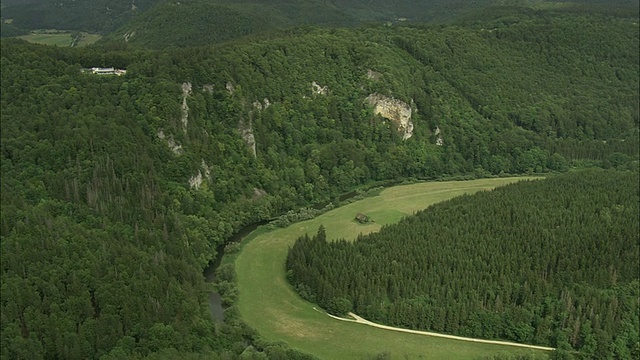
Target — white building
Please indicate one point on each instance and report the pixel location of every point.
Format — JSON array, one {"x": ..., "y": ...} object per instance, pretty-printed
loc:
[{"x": 108, "y": 71}]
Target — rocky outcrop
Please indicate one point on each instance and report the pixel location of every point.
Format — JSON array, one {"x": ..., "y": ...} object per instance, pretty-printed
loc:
[
  {"x": 196, "y": 180},
  {"x": 395, "y": 110},
  {"x": 373, "y": 75},
  {"x": 319, "y": 90},
  {"x": 262, "y": 105},
  {"x": 439, "y": 140},
  {"x": 128, "y": 36},
  {"x": 172, "y": 144},
  {"x": 246, "y": 132},
  {"x": 186, "y": 91},
  {"x": 207, "y": 170},
  {"x": 246, "y": 127},
  {"x": 230, "y": 87}
]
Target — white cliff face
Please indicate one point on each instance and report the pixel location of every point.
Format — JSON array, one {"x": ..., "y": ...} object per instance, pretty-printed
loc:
[
  {"x": 196, "y": 180},
  {"x": 439, "y": 140},
  {"x": 207, "y": 170},
  {"x": 186, "y": 92},
  {"x": 395, "y": 110},
  {"x": 262, "y": 105},
  {"x": 246, "y": 127},
  {"x": 319, "y": 90},
  {"x": 246, "y": 132},
  {"x": 230, "y": 87}
]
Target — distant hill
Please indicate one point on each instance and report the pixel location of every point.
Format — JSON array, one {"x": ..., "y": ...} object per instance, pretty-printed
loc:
[
  {"x": 166, "y": 23},
  {"x": 200, "y": 22},
  {"x": 98, "y": 16}
]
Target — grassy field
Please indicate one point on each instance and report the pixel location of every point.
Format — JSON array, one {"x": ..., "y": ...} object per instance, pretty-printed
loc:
[
  {"x": 88, "y": 39},
  {"x": 269, "y": 304},
  {"x": 58, "y": 38}
]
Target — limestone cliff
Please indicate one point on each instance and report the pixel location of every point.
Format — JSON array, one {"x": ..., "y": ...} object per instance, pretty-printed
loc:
[
  {"x": 395, "y": 110},
  {"x": 186, "y": 91},
  {"x": 246, "y": 132}
]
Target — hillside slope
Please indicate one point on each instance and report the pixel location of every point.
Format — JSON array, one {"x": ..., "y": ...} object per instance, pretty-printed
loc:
[
  {"x": 203, "y": 22},
  {"x": 117, "y": 190},
  {"x": 169, "y": 23},
  {"x": 99, "y": 16}
]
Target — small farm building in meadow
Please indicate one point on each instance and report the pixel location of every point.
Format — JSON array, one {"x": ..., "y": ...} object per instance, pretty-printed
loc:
[{"x": 362, "y": 218}]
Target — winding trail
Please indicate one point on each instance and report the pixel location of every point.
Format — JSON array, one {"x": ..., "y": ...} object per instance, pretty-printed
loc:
[{"x": 361, "y": 320}]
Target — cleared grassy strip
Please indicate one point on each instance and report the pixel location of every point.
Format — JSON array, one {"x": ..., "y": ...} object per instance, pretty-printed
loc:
[
  {"x": 62, "y": 39},
  {"x": 269, "y": 304},
  {"x": 88, "y": 39}
]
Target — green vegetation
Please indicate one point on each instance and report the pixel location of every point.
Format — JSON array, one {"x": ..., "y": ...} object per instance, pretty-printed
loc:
[
  {"x": 117, "y": 190},
  {"x": 550, "y": 262},
  {"x": 56, "y": 39},
  {"x": 171, "y": 23},
  {"x": 95, "y": 16},
  {"x": 201, "y": 22},
  {"x": 269, "y": 304},
  {"x": 85, "y": 39},
  {"x": 60, "y": 38}
]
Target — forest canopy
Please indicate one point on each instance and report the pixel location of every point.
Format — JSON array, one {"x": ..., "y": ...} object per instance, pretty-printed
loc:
[
  {"x": 117, "y": 190},
  {"x": 551, "y": 262}
]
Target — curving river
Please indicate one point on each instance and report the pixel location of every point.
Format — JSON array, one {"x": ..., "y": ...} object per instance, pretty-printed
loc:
[{"x": 215, "y": 300}]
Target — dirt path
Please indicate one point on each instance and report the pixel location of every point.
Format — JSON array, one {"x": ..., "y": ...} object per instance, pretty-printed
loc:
[{"x": 360, "y": 320}]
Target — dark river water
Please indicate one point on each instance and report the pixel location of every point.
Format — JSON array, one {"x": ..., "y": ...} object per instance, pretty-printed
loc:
[{"x": 215, "y": 301}]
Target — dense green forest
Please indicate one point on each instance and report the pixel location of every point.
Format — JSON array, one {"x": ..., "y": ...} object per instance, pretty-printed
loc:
[
  {"x": 116, "y": 191},
  {"x": 101, "y": 16},
  {"x": 551, "y": 262},
  {"x": 200, "y": 22},
  {"x": 170, "y": 23}
]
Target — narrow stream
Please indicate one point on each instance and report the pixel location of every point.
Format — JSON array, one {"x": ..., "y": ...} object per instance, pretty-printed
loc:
[{"x": 215, "y": 300}]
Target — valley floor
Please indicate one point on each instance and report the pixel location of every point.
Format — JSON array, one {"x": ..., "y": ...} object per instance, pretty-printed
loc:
[{"x": 269, "y": 304}]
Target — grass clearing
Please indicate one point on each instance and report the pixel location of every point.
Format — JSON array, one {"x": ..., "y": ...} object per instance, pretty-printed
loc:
[
  {"x": 88, "y": 39},
  {"x": 270, "y": 305},
  {"x": 60, "y": 38}
]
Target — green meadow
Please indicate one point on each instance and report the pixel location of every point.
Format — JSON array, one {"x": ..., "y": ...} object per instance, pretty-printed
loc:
[
  {"x": 270, "y": 305},
  {"x": 59, "y": 38}
]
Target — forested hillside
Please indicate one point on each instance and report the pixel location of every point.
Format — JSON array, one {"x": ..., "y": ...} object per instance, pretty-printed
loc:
[
  {"x": 101, "y": 16},
  {"x": 117, "y": 190},
  {"x": 200, "y": 22},
  {"x": 551, "y": 262},
  {"x": 170, "y": 23}
]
